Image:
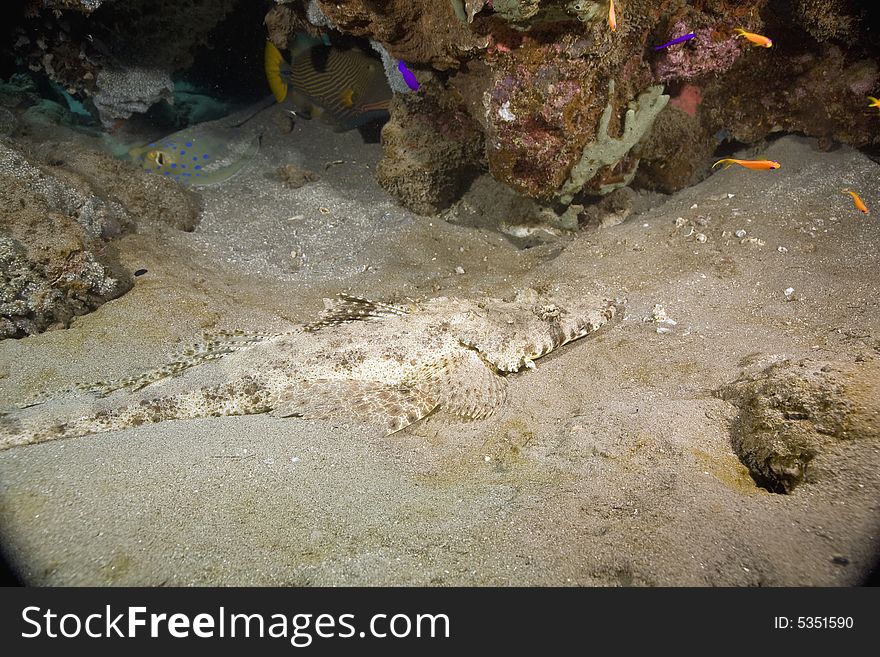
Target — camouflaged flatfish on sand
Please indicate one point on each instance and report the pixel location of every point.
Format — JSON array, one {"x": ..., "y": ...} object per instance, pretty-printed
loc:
[{"x": 376, "y": 363}]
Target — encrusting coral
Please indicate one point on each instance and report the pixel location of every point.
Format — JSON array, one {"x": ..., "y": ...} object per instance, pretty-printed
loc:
[{"x": 123, "y": 92}]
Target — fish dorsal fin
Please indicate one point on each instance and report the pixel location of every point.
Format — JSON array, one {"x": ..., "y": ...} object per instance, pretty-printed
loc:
[
  {"x": 272, "y": 63},
  {"x": 346, "y": 308}
]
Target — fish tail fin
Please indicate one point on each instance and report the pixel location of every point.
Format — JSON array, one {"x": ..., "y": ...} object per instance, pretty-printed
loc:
[
  {"x": 875, "y": 102},
  {"x": 727, "y": 162},
  {"x": 739, "y": 31},
  {"x": 272, "y": 63}
]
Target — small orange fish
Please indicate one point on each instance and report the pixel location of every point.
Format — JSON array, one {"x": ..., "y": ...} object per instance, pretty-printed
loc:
[
  {"x": 757, "y": 39},
  {"x": 875, "y": 102},
  {"x": 749, "y": 164},
  {"x": 612, "y": 17},
  {"x": 860, "y": 205}
]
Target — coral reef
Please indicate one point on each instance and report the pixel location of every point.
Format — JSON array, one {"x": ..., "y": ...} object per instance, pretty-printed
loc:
[
  {"x": 791, "y": 415},
  {"x": 678, "y": 149},
  {"x": 38, "y": 292},
  {"x": 98, "y": 217},
  {"x": 118, "y": 47},
  {"x": 465, "y": 10},
  {"x": 49, "y": 270},
  {"x": 420, "y": 33},
  {"x": 529, "y": 78},
  {"x": 59, "y": 204},
  {"x": 8, "y": 122},
  {"x": 516, "y": 10},
  {"x": 85, "y": 6},
  {"x": 608, "y": 151},
  {"x": 826, "y": 19},
  {"x": 430, "y": 153},
  {"x": 711, "y": 51},
  {"x": 819, "y": 94},
  {"x": 123, "y": 92}
]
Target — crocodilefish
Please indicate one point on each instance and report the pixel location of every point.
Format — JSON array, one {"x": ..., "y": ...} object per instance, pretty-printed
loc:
[
  {"x": 345, "y": 88},
  {"x": 200, "y": 155}
]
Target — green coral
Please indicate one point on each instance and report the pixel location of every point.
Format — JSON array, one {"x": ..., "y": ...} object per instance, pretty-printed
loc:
[
  {"x": 516, "y": 10},
  {"x": 586, "y": 10},
  {"x": 607, "y": 150},
  {"x": 458, "y": 8}
]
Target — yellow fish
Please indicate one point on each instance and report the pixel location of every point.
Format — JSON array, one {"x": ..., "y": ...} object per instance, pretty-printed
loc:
[
  {"x": 760, "y": 165},
  {"x": 875, "y": 102},
  {"x": 860, "y": 205},
  {"x": 757, "y": 39},
  {"x": 345, "y": 88}
]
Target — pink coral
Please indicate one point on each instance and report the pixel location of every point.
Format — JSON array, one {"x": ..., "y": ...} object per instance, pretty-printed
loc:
[
  {"x": 708, "y": 52},
  {"x": 688, "y": 99}
]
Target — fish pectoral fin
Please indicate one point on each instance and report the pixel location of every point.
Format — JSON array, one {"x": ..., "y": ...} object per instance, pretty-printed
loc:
[
  {"x": 391, "y": 407},
  {"x": 466, "y": 386}
]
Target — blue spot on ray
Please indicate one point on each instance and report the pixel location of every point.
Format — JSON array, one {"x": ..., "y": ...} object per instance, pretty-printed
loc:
[
  {"x": 198, "y": 166},
  {"x": 174, "y": 166},
  {"x": 189, "y": 144},
  {"x": 205, "y": 156},
  {"x": 183, "y": 152}
]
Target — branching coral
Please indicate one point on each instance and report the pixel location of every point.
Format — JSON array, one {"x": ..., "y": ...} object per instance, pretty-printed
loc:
[{"x": 607, "y": 150}]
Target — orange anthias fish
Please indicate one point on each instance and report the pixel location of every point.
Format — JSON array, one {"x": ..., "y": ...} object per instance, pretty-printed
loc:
[
  {"x": 757, "y": 39},
  {"x": 612, "y": 17},
  {"x": 749, "y": 164},
  {"x": 860, "y": 205}
]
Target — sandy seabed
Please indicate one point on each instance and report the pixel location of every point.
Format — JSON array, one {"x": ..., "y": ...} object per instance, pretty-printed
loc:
[{"x": 612, "y": 463}]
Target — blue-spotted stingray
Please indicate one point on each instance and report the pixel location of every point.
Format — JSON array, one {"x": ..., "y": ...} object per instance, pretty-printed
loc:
[{"x": 204, "y": 154}]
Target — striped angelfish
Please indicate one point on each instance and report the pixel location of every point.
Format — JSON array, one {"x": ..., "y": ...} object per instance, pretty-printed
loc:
[{"x": 345, "y": 88}]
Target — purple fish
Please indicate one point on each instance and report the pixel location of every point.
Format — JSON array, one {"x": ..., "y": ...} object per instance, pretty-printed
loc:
[
  {"x": 408, "y": 76},
  {"x": 686, "y": 37}
]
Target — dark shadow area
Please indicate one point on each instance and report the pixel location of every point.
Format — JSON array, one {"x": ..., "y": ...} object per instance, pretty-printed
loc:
[{"x": 8, "y": 576}]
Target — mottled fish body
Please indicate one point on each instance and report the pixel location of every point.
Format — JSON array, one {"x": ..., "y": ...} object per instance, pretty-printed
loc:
[
  {"x": 369, "y": 362},
  {"x": 346, "y": 88}
]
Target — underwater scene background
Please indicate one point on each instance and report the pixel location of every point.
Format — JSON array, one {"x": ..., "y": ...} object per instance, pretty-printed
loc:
[{"x": 511, "y": 292}]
